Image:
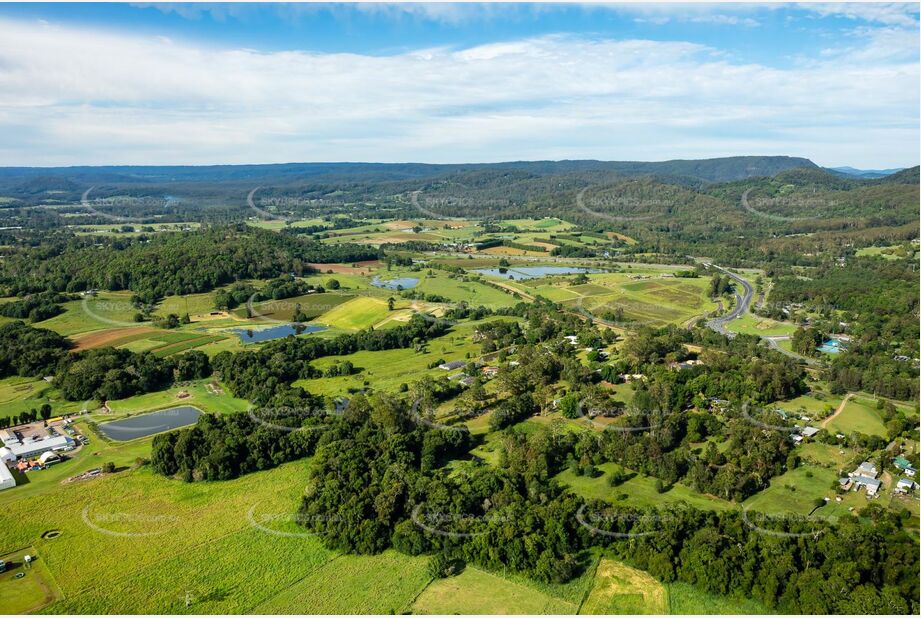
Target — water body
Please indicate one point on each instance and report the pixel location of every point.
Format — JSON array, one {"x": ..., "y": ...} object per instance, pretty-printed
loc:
[
  {"x": 404, "y": 283},
  {"x": 534, "y": 272},
  {"x": 276, "y": 332},
  {"x": 144, "y": 425}
]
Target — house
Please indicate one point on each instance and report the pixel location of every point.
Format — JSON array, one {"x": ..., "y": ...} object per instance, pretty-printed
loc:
[
  {"x": 452, "y": 365},
  {"x": 904, "y": 486},
  {"x": 684, "y": 364},
  {"x": 845, "y": 482},
  {"x": 572, "y": 339},
  {"x": 467, "y": 381},
  {"x": 808, "y": 432},
  {"x": 6, "y": 478},
  {"x": 489, "y": 371},
  {"x": 901, "y": 463},
  {"x": 871, "y": 484},
  {"x": 866, "y": 469}
]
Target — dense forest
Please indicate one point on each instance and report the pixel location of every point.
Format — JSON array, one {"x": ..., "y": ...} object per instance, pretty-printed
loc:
[{"x": 161, "y": 265}]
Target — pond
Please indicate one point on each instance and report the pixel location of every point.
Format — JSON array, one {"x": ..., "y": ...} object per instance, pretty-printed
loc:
[
  {"x": 249, "y": 335},
  {"x": 534, "y": 272},
  {"x": 404, "y": 283},
  {"x": 144, "y": 425}
]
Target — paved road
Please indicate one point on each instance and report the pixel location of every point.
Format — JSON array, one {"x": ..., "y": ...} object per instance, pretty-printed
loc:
[{"x": 742, "y": 303}]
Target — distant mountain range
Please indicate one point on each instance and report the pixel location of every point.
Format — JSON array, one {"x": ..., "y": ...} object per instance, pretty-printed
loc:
[{"x": 856, "y": 173}]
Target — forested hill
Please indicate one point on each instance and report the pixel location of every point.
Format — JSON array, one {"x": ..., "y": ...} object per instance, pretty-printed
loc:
[
  {"x": 25, "y": 179},
  {"x": 180, "y": 263}
]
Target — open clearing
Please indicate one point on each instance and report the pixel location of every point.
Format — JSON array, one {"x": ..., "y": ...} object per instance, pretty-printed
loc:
[
  {"x": 620, "y": 589},
  {"x": 31, "y": 592},
  {"x": 859, "y": 415},
  {"x": 478, "y": 592},
  {"x": 356, "y": 314}
]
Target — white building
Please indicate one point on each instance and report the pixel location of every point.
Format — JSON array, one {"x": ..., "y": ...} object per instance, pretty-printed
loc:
[
  {"x": 6, "y": 478},
  {"x": 32, "y": 448}
]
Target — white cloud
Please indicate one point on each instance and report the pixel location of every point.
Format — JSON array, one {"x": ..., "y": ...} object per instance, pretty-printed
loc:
[{"x": 79, "y": 96}]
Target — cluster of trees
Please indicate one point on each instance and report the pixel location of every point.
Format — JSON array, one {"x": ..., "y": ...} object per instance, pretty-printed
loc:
[
  {"x": 35, "y": 307},
  {"x": 30, "y": 352},
  {"x": 110, "y": 373},
  {"x": 378, "y": 481},
  {"x": 27, "y": 416}
]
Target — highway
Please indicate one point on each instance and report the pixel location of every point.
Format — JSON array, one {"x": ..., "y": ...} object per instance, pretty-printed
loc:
[{"x": 742, "y": 303}]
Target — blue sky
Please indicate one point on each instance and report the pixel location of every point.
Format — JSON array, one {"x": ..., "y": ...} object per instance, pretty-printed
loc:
[{"x": 197, "y": 84}]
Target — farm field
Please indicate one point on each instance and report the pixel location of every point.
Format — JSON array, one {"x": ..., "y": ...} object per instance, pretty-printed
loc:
[
  {"x": 654, "y": 300},
  {"x": 356, "y": 314}
]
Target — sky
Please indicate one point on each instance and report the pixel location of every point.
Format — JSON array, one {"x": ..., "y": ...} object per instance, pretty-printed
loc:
[{"x": 190, "y": 84}]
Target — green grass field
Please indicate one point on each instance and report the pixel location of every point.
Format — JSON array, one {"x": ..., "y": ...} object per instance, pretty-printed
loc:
[
  {"x": 356, "y": 314},
  {"x": 657, "y": 299},
  {"x": 31, "y": 592},
  {"x": 859, "y": 415},
  {"x": 201, "y": 396},
  {"x": 686, "y": 599},
  {"x": 620, "y": 589},
  {"x": 477, "y": 592},
  {"x": 795, "y": 491},
  {"x": 383, "y": 584},
  {"x": 640, "y": 491},
  {"x": 91, "y": 314},
  {"x": 23, "y": 394},
  {"x": 750, "y": 324}
]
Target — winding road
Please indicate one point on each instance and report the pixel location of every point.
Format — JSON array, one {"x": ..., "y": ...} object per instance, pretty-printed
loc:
[{"x": 743, "y": 302}]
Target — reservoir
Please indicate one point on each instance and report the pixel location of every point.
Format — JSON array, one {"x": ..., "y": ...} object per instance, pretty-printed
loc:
[
  {"x": 249, "y": 335},
  {"x": 405, "y": 283},
  {"x": 144, "y": 425},
  {"x": 534, "y": 272}
]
